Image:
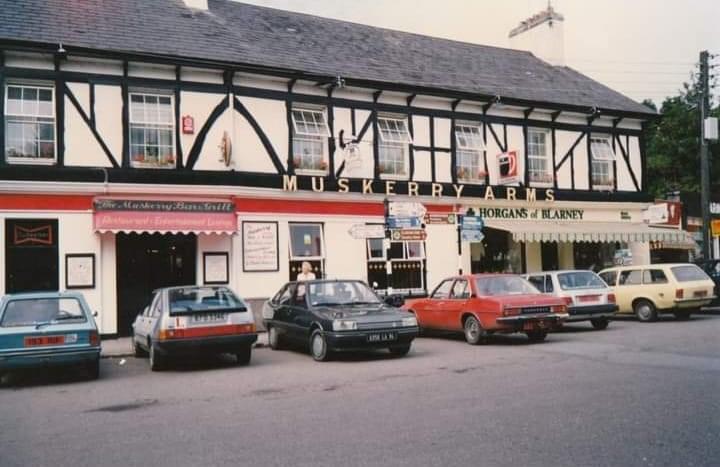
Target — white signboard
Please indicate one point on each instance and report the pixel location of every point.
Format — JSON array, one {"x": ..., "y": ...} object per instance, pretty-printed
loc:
[
  {"x": 656, "y": 214},
  {"x": 260, "y": 246},
  {"x": 363, "y": 231},
  {"x": 401, "y": 209}
]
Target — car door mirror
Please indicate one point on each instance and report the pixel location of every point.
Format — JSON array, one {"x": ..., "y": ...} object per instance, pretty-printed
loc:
[
  {"x": 95, "y": 314},
  {"x": 394, "y": 300}
]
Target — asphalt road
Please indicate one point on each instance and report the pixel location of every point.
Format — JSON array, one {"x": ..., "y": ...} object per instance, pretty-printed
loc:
[{"x": 633, "y": 395}]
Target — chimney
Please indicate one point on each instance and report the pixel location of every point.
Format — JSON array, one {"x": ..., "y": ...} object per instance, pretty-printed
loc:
[
  {"x": 542, "y": 34},
  {"x": 197, "y": 4}
]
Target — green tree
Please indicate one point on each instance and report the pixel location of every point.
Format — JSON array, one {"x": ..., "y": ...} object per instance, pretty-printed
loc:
[{"x": 673, "y": 145}]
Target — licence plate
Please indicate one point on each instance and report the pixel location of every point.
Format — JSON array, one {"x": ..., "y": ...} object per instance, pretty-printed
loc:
[
  {"x": 534, "y": 325},
  {"x": 589, "y": 298},
  {"x": 202, "y": 318},
  {"x": 382, "y": 337},
  {"x": 38, "y": 341},
  {"x": 701, "y": 293}
]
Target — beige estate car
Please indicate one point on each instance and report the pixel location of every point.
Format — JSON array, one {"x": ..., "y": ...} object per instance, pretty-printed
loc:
[{"x": 659, "y": 288}]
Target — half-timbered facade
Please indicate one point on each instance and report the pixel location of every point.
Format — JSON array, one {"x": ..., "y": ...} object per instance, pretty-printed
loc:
[{"x": 148, "y": 142}]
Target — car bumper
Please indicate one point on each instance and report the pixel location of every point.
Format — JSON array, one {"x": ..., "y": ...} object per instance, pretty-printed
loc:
[
  {"x": 548, "y": 321},
  {"x": 206, "y": 345},
  {"x": 358, "y": 340},
  {"x": 693, "y": 302},
  {"x": 582, "y": 313},
  {"x": 45, "y": 358}
]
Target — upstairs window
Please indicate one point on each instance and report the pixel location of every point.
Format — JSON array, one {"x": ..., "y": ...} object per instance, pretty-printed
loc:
[
  {"x": 393, "y": 147},
  {"x": 29, "y": 124},
  {"x": 602, "y": 155},
  {"x": 470, "y": 152},
  {"x": 310, "y": 134},
  {"x": 539, "y": 165},
  {"x": 152, "y": 126}
]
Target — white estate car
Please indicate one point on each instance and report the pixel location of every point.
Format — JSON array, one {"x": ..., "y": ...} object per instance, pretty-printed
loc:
[{"x": 588, "y": 297}]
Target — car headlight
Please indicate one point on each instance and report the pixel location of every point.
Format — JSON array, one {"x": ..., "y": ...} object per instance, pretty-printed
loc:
[
  {"x": 344, "y": 325},
  {"x": 411, "y": 321}
]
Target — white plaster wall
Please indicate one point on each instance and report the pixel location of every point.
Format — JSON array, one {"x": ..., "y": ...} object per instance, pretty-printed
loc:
[
  {"x": 107, "y": 268},
  {"x": 81, "y": 147},
  {"x": 581, "y": 165},
  {"x": 199, "y": 106},
  {"x": 210, "y": 157},
  {"x": 213, "y": 243},
  {"x": 441, "y": 251},
  {"x": 393, "y": 98},
  {"x": 533, "y": 257},
  {"x": 423, "y": 166},
  {"x": 443, "y": 172},
  {"x": 640, "y": 253},
  {"x": 442, "y": 132},
  {"x": 259, "y": 81},
  {"x": 271, "y": 116},
  {"x": 108, "y": 118},
  {"x": 87, "y": 65},
  {"x": 346, "y": 257},
  {"x": 516, "y": 142},
  {"x": 201, "y": 75},
  {"x": 563, "y": 142},
  {"x": 81, "y": 91},
  {"x": 636, "y": 159},
  {"x": 366, "y": 146},
  {"x": 145, "y": 70},
  {"x": 29, "y": 60},
  {"x": 421, "y": 130}
]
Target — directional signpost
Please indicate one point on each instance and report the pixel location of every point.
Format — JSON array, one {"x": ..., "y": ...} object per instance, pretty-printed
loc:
[
  {"x": 442, "y": 218},
  {"x": 405, "y": 209},
  {"x": 404, "y": 222},
  {"x": 364, "y": 231},
  {"x": 469, "y": 228}
]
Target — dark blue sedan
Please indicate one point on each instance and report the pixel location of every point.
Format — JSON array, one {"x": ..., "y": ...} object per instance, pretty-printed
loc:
[{"x": 48, "y": 329}]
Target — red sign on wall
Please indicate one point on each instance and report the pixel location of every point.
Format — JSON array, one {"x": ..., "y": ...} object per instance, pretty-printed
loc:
[
  {"x": 188, "y": 125},
  {"x": 507, "y": 167}
]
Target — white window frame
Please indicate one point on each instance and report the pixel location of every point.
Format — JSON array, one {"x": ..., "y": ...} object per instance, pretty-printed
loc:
[
  {"x": 393, "y": 139},
  {"x": 476, "y": 150},
  {"x": 548, "y": 178},
  {"x": 322, "y": 133},
  {"x": 322, "y": 241},
  {"x": 31, "y": 160},
  {"x": 156, "y": 125},
  {"x": 406, "y": 252},
  {"x": 604, "y": 157}
]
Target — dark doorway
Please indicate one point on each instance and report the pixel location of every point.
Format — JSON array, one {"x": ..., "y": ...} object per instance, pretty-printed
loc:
[
  {"x": 549, "y": 253},
  {"x": 146, "y": 262},
  {"x": 31, "y": 255}
]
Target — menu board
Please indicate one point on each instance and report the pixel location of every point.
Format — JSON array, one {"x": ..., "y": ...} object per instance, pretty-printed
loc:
[{"x": 260, "y": 246}]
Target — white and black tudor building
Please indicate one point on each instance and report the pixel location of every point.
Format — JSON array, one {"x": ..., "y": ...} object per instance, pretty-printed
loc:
[{"x": 147, "y": 143}]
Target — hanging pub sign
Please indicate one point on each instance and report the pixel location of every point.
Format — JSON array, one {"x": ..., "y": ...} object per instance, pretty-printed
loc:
[{"x": 507, "y": 167}]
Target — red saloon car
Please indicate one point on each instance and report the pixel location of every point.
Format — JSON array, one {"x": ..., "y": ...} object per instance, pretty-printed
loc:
[{"x": 483, "y": 304}]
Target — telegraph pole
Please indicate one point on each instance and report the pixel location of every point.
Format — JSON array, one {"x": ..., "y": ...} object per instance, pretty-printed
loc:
[{"x": 704, "y": 159}]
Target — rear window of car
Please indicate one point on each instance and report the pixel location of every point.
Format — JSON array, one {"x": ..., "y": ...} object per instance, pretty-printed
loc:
[
  {"x": 202, "y": 299},
  {"x": 34, "y": 311},
  {"x": 505, "y": 285},
  {"x": 580, "y": 280},
  {"x": 688, "y": 273}
]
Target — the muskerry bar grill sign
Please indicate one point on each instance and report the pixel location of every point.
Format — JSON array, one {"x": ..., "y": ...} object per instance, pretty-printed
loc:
[{"x": 136, "y": 215}]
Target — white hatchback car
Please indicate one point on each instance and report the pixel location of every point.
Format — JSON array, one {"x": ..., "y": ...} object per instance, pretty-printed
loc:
[{"x": 588, "y": 297}]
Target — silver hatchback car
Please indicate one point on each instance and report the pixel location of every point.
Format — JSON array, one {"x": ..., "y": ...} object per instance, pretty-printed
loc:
[
  {"x": 194, "y": 320},
  {"x": 588, "y": 297}
]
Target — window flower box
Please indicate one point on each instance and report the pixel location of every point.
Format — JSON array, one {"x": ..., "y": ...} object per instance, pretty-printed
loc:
[{"x": 304, "y": 164}]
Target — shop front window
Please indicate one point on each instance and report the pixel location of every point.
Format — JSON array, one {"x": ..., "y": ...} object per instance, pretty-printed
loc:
[
  {"x": 310, "y": 134},
  {"x": 497, "y": 252},
  {"x": 29, "y": 124},
  {"x": 152, "y": 126},
  {"x": 595, "y": 256},
  {"x": 306, "y": 245},
  {"x": 407, "y": 260}
]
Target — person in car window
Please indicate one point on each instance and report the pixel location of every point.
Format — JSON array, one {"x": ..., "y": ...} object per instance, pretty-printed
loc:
[{"x": 306, "y": 273}]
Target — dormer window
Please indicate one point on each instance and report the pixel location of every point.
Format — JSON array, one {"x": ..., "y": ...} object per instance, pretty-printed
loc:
[
  {"x": 602, "y": 157},
  {"x": 470, "y": 166},
  {"x": 310, "y": 137},
  {"x": 393, "y": 147},
  {"x": 29, "y": 124},
  {"x": 152, "y": 126}
]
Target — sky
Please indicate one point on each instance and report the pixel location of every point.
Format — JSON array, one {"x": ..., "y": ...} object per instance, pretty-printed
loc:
[{"x": 642, "y": 48}]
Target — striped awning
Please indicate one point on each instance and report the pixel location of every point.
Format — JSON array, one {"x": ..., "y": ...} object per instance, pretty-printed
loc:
[{"x": 549, "y": 231}]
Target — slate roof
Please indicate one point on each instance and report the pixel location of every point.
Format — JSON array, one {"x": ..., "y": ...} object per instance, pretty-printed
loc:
[{"x": 247, "y": 34}]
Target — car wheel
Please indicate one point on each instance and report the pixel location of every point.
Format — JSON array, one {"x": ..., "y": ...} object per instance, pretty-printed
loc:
[
  {"x": 645, "y": 311},
  {"x": 600, "y": 323},
  {"x": 682, "y": 315},
  {"x": 400, "y": 350},
  {"x": 474, "y": 333},
  {"x": 318, "y": 346},
  {"x": 136, "y": 349},
  {"x": 274, "y": 339},
  {"x": 157, "y": 362},
  {"x": 93, "y": 368},
  {"x": 243, "y": 356},
  {"x": 537, "y": 336}
]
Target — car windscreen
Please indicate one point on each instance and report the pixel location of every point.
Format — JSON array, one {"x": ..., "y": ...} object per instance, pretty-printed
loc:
[
  {"x": 689, "y": 273},
  {"x": 580, "y": 280},
  {"x": 204, "y": 299},
  {"x": 504, "y": 285},
  {"x": 341, "y": 293},
  {"x": 34, "y": 311}
]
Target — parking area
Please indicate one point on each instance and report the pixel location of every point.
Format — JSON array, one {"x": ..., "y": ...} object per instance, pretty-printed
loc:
[{"x": 583, "y": 397}]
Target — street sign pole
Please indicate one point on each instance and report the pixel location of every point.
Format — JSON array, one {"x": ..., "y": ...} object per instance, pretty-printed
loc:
[
  {"x": 386, "y": 244},
  {"x": 704, "y": 159},
  {"x": 459, "y": 242}
]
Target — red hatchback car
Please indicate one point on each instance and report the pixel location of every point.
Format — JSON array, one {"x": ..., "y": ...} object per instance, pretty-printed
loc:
[{"x": 483, "y": 304}]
